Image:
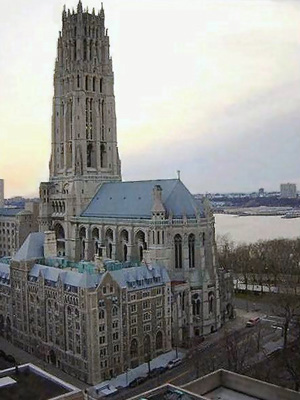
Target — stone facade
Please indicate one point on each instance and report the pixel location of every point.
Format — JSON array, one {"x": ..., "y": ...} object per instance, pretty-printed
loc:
[{"x": 92, "y": 325}]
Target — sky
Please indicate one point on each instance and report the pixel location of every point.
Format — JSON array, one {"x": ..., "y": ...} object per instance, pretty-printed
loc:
[{"x": 207, "y": 87}]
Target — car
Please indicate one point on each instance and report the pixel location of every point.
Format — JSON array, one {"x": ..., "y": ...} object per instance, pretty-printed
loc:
[
  {"x": 137, "y": 381},
  {"x": 253, "y": 322},
  {"x": 173, "y": 363},
  {"x": 156, "y": 371}
]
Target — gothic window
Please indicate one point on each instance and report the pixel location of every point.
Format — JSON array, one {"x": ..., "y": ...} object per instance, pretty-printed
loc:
[
  {"x": 101, "y": 314},
  {"x": 211, "y": 298},
  {"x": 91, "y": 49},
  {"x": 101, "y": 85},
  {"x": 84, "y": 50},
  {"x": 178, "y": 251},
  {"x": 60, "y": 238},
  {"x": 203, "y": 238},
  {"x": 115, "y": 311},
  {"x": 103, "y": 156},
  {"x": 191, "y": 242},
  {"x": 86, "y": 83},
  {"x": 94, "y": 84},
  {"x": 196, "y": 304},
  {"x": 78, "y": 81},
  {"x": 82, "y": 239},
  {"x": 89, "y": 155},
  {"x": 95, "y": 236},
  {"x": 158, "y": 237},
  {"x": 108, "y": 242}
]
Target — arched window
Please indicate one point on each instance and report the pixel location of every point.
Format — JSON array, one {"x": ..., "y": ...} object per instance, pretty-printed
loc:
[
  {"x": 196, "y": 304},
  {"x": 203, "y": 238},
  {"x": 178, "y": 251},
  {"x": 60, "y": 239},
  {"x": 101, "y": 85},
  {"x": 109, "y": 237},
  {"x": 101, "y": 314},
  {"x": 211, "y": 299},
  {"x": 95, "y": 236},
  {"x": 115, "y": 311},
  {"x": 82, "y": 238},
  {"x": 94, "y": 84},
  {"x": 191, "y": 241},
  {"x": 78, "y": 81},
  {"x": 86, "y": 83},
  {"x": 159, "y": 340},
  {"x": 134, "y": 348}
]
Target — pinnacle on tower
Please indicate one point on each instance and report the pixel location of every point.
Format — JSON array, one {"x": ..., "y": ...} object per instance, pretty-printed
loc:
[
  {"x": 79, "y": 7},
  {"x": 64, "y": 13},
  {"x": 102, "y": 11}
]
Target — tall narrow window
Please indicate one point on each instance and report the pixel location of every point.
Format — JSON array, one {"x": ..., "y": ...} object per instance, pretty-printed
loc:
[
  {"x": 86, "y": 83},
  {"x": 89, "y": 155},
  {"x": 101, "y": 85},
  {"x": 192, "y": 250},
  {"x": 84, "y": 50},
  {"x": 178, "y": 251},
  {"x": 94, "y": 84},
  {"x": 102, "y": 156},
  {"x": 78, "y": 81}
]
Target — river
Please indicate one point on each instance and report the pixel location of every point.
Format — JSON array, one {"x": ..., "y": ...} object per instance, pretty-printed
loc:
[{"x": 253, "y": 228}]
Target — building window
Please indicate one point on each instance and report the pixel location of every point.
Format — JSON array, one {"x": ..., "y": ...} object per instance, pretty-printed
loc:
[
  {"x": 178, "y": 251},
  {"x": 191, "y": 242}
]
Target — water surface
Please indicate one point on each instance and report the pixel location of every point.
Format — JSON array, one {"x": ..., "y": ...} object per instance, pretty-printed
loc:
[{"x": 252, "y": 228}]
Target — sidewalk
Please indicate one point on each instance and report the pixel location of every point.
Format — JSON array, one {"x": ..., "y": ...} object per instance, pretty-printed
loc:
[
  {"x": 142, "y": 370},
  {"x": 22, "y": 357}
]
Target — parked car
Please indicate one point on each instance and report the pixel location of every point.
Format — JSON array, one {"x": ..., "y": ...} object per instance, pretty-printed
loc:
[
  {"x": 137, "y": 381},
  {"x": 156, "y": 371},
  {"x": 174, "y": 363},
  {"x": 253, "y": 322}
]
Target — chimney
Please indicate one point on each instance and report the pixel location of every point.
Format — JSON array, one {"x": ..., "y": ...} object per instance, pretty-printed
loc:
[{"x": 158, "y": 208}]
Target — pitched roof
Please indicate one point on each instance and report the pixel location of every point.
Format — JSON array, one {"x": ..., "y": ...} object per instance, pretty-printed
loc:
[
  {"x": 135, "y": 200},
  {"x": 72, "y": 278},
  {"x": 32, "y": 248}
]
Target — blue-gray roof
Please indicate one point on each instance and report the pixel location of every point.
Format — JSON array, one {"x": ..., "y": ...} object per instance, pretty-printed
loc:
[
  {"x": 135, "y": 200},
  {"x": 141, "y": 277},
  {"x": 10, "y": 212},
  {"x": 32, "y": 248},
  {"x": 71, "y": 278}
]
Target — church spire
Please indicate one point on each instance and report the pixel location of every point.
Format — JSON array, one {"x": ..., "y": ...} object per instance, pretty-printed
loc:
[{"x": 79, "y": 7}]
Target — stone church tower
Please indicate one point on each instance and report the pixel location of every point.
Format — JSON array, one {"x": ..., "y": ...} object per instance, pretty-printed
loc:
[{"x": 84, "y": 149}]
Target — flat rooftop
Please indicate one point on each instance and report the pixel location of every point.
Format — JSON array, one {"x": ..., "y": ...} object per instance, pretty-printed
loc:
[{"x": 31, "y": 383}]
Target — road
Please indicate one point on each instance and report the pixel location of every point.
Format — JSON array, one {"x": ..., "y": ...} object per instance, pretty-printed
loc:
[{"x": 212, "y": 352}]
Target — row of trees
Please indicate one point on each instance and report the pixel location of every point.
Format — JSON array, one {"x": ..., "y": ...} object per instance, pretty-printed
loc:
[{"x": 274, "y": 265}]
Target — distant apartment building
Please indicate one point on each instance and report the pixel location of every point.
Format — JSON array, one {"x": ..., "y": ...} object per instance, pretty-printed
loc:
[
  {"x": 15, "y": 225},
  {"x": 288, "y": 190}
]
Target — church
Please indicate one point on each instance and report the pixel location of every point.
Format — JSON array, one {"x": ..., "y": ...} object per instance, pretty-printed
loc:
[{"x": 149, "y": 245}]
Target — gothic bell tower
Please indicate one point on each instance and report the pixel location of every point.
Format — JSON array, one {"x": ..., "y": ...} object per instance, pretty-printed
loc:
[{"x": 84, "y": 150}]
